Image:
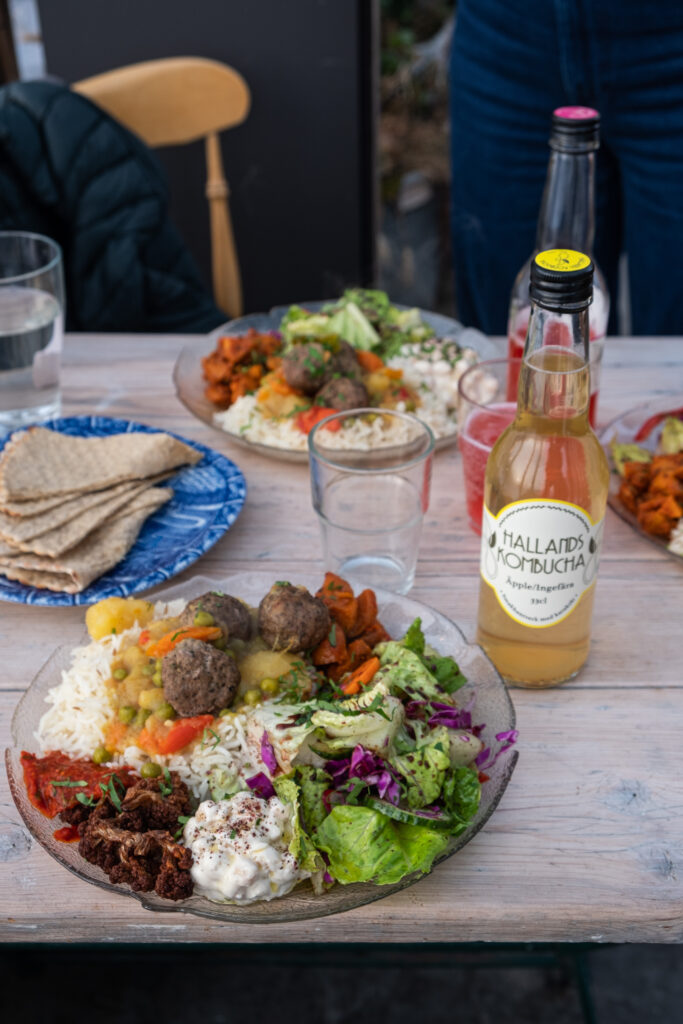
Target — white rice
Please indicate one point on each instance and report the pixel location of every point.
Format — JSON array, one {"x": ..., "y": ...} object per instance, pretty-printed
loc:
[
  {"x": 433, "y": 371},
  {"x": 81, "y": 709}
]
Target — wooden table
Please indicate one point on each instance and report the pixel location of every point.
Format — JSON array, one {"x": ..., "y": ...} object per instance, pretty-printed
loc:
[{"x": 587, "y": 844}]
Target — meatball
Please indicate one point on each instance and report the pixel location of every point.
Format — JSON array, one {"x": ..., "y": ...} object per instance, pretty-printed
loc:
[
  {"x": 291, "y": 619},
  {"x": 231, "y": 615},
  {"x": 307, "y": 367},
  {"x": 346, "y": 363},
  {"x": 198, "y": 679},
  {"x": 342, "y": 393}
]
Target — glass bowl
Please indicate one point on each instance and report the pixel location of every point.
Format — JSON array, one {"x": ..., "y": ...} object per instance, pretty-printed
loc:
[
  {"x": 190, "y": 384},
  {"x": 624, "y": 429},
  {"x": 493, "y": 706}
]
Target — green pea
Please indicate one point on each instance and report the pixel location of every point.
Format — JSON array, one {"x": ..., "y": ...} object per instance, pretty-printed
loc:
[
  {"x": 252, "y": 696},
  {"x": 222, "y": 645},
  {"x": 127, "y": 714},
  {"x": 165, "y": 712},
  {"x": 204, "y": 619},
  {"x": 224, "y": 712},
  {"x": 119, "y": 673},
  {"x": 148, "y": 670},
  {"x": 150, "y": 770},
  {"x": 270, "y": 686},
  {"x": 156, "y": 679},
  {"x": 101, "y": 755},
  {"x": 141, "y": 717},
  {"x": 157, "y": 664}
]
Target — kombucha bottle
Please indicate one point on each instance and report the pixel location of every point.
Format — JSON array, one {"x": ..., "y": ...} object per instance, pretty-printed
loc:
[{"x": 545, "y": 492}]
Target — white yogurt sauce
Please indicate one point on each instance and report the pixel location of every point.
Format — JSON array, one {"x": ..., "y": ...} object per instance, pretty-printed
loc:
[{"x": 239, "y": 849}]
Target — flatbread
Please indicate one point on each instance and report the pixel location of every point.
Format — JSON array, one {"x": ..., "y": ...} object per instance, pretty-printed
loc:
[
  {"x": 40, "y": 463},
  {"x": 95, "y": 555},
  {"x": 22, "y": 531}
]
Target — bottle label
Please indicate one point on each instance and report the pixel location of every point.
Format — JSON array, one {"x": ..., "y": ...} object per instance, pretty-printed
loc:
[{"x": 540, "y": 557}]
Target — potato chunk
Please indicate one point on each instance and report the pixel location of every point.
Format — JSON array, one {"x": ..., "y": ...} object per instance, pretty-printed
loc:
[{"x": 116, "y": 614}]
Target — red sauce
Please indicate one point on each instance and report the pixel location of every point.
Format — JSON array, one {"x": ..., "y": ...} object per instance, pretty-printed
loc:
[
  {"x": 52, "y": 782},
  {"x": 68, "y": 834}
]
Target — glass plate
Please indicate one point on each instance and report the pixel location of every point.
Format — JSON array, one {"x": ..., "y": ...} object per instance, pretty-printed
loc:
[
  {"x": 207, "y": 499},
  {"x": 624, "y": 428},
  {"x": 493, "y": 706},
  {"x": 190, "y": 384}
]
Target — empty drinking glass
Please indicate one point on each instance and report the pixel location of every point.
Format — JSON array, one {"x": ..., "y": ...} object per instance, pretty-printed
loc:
[
  {"x": 371, "y": 498},
  {"x": 31, "y": 328}
]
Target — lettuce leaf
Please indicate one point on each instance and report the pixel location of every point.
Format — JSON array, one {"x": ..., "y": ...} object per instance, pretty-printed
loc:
[
  {"x": 351, "y": 325},
  {"x": 461, "y": 793},
  {"x": 313, "y": 782},
  {"x": 414, "y": 640},
  {"x": 366, "y": 846},
  {"x": 301, "y": 846},
  {"x": 424, "y": 769}
]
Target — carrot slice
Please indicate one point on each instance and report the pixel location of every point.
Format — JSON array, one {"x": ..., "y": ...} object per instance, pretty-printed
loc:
[
  {"x": 182, "y": 732},
  {"x": 363, "y": 675},
  {"x": 369, "y": 361},
  {"x": 166, "y": 643}
]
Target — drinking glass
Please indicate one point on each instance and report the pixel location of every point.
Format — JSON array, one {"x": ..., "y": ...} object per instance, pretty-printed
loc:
[
  {"x": 484, "y": 411},
  {"x": 31, "y": 328},
  {"x": 371, "y": 498}
]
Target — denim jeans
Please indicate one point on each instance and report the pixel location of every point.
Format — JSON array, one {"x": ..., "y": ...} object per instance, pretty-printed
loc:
[{"x": 513, "y": 62}]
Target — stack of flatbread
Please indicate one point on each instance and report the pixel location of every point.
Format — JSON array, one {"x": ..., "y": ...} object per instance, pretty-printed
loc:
[{"x": 72, "y": 507}]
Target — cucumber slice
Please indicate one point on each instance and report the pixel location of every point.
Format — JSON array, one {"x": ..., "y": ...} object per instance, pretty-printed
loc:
[{"x": 409, "y": 817}]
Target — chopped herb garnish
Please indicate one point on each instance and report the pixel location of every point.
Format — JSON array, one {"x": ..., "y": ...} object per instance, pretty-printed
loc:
[
  {"x": 205, "y": 738},
  {"x": 333, "y": 634},
  {"x": 258, "y": 822},
  {"x": 110, "y": 789},
  {"x": 282, "y": 583},
  {"x": 87, "y": 801},
  {"x": 233, "y": 834},
  {"x": 166, "y": 787},
  {"x": 113, "y": 629},
  {"x": 67, "y": 782}
]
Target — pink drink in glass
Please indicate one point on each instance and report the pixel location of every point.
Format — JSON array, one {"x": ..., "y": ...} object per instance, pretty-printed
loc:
[{"x": 481, "y": 430}]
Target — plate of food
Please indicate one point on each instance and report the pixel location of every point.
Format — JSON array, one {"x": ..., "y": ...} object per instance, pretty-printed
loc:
[
  {"x": 645, "y": 450},
  {"x": 268, "y": 378},
  {"x": 261, "y": 750},
  {"x": 92, "y": 507}
]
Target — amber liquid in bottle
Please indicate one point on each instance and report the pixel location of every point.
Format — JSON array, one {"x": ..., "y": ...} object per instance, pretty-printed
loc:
[{"x": 549, "y": 452}]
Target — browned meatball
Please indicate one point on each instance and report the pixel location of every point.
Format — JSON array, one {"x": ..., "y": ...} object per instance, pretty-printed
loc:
[
  {"x": 291, "y": 619},
  {"x": 307, "y": 367},
  {"x": 231, "y": 615},
  {"x": 345, "y": 361},
  {"x": 342, "y": 393},
  {"x": 198, "y": 679}
]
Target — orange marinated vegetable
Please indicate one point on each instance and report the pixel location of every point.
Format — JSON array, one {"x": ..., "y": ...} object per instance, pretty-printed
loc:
[
  {"x": 653, "y": 492},
  {"x": 369, "y": 361},
  {"x": 166, "y": 643},
  {"x": 238, "y": 364},
  {"x": 309, "y": 418},
  {"x": 363, "y": 675},
  {"x": 332, "y": 650},
  {"x": 341, "y": 604}
]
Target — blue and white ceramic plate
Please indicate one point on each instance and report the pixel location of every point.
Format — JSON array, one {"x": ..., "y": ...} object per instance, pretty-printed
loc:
[{"x": 207, "y": 499}]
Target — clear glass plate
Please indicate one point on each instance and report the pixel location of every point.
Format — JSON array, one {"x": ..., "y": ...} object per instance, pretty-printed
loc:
[
  {"x": 624, "y": 429},
  {"x": 190, "y": 384},
  {"x": 493, "y": 706}
]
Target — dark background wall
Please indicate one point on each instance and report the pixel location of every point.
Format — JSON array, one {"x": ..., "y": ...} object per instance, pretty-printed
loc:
[{"x": 300, "y": 169}]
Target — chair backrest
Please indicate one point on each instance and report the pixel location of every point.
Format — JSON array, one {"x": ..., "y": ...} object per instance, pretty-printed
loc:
[{"x": 175, "y": 101}]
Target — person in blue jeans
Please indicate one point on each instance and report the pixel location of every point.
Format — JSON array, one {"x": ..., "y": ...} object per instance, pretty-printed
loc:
[{"x": 512, "y": 63}]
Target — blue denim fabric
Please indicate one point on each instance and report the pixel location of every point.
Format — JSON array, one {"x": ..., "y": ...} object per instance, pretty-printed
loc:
[{"x": 513, "y": 62}]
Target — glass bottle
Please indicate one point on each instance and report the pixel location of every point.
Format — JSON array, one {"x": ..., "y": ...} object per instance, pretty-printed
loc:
[
  {"x": 566, "y": 221},
  {"x": 545, "y": 492}
]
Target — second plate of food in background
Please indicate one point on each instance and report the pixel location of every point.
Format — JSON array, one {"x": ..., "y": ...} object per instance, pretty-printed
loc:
[{"x": 420, "y": 366}]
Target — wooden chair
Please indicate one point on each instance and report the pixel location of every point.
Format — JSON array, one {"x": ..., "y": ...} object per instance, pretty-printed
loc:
[{"x": 178, "y": 100}]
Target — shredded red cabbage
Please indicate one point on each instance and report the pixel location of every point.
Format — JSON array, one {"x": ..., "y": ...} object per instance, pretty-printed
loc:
[
  {"x": 268, "y": 754},
  {"x": 368, "y": 768},
  {"x": 507, "y": 739},
  {"x": 261, "y": 785}
]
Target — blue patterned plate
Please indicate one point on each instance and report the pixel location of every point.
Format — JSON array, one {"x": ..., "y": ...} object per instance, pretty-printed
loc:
[{"x": 206, "y": 502}]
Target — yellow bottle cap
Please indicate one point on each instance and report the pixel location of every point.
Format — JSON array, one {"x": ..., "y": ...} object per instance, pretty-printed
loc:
[{"x": 562, "y": 259}]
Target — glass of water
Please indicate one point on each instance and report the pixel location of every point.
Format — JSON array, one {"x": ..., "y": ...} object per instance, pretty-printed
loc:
[
  {"x": 31, "y": 328},
  {"x": 370, "y": 480}
]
